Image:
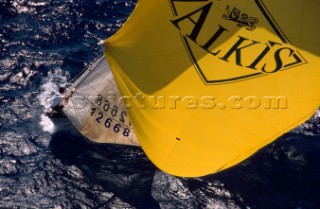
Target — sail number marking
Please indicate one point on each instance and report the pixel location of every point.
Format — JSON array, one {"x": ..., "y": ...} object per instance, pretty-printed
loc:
[
  {"x": 110, "y": 123},
  {"x": 111, "y": 111}
]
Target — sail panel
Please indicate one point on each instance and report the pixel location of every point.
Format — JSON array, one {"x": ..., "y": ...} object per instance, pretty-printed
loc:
[
  {"x": 96, "y": 108},
  {"x": 215, "y": 81}
]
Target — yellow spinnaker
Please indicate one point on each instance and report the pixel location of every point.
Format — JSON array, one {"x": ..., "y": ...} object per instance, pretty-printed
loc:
[{"x": 208, "y": 82}]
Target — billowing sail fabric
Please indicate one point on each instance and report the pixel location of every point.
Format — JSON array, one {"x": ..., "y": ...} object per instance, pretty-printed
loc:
[
  {"x": 210, "y": 82},
  {"x": 96, "y": 109}
]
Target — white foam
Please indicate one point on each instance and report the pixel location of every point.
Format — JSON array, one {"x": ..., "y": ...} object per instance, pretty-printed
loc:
[
  {"x": 47, "y": 124},
  {"x": 49, "y": 88}
]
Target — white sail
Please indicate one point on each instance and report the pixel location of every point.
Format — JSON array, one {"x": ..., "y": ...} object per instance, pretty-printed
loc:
[{"x": 96, "y": 108}]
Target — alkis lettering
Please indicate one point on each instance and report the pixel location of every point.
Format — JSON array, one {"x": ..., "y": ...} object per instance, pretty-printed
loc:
[{"x": 262, "y": 57}]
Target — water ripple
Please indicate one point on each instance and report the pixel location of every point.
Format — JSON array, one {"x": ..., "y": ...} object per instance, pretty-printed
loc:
[{"x": 39, "y": 168}]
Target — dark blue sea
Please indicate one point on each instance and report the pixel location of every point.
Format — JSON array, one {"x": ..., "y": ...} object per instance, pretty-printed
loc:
[{"x": 47, "y": 42}]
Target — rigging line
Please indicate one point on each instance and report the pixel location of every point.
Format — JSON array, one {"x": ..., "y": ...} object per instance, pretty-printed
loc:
[
  {"x": 79, "y": 75},
  {"x": 83, "y": 76}
]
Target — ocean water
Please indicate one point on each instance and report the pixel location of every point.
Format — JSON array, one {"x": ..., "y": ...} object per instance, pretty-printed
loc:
[{"x": 44, "y": 43}]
